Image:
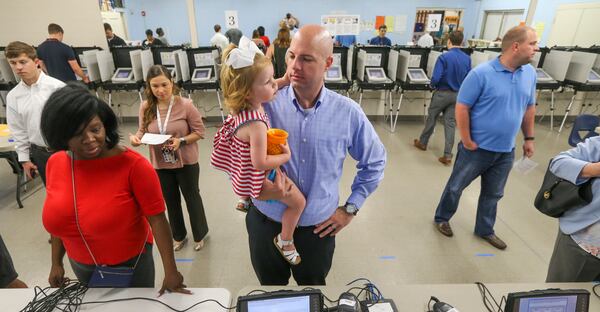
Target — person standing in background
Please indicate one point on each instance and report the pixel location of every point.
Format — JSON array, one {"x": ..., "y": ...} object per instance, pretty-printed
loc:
[
  {"x": 218, "y": 39},
  {"x": 381, "y": 39},
  {"x": 161, "y": 36},
  {"x": 58, "y": 59},
  {"x": 112, "y": 39},
  {"x": 495, "y": 100},
  {"x": 24, "y": 108},
  {"x": 265, "y": 39},
  {"x": 234, "y": 35},
  {"x": 150, "y": 40},
  {"x": 450, "y": 70},
  {"x": 175, "y": 161}
]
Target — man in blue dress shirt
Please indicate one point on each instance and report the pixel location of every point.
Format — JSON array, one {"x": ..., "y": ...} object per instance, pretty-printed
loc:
[
  {"x": 381, "y": 39},
  {"x": 323, "y": 128},
  {"x": 450, "y": 70},
  {"x": 495, "y": 100}
]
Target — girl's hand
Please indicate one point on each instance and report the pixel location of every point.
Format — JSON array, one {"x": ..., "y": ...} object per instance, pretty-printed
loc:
[
  {"x": 134, "y": 140},
  {"x": 285, "y": 151},
  {"x": 173, "y": 144}
]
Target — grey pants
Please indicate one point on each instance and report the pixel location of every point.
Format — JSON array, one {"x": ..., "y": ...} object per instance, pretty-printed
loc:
[
  {"x": 570, "y": 263},
  {"x": 441, "y": 102},
  {"x": 143, "y": 275}
]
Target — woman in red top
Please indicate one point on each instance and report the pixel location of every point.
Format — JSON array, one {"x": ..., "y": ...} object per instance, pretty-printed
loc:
[{"x": 104, "y": 206}]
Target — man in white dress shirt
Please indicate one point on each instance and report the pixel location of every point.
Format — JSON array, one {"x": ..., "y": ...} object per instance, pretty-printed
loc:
[
  {"x": 219, "y": 40},
  {"x": 24, "y": 107},
  {"x": 425, "y": 41}
]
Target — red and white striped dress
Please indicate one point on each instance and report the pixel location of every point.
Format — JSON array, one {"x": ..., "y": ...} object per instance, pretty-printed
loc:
[{"x": 232, "y": 155}]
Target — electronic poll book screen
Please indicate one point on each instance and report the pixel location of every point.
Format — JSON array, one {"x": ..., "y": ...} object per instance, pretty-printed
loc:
[
  {"x": 200, "y": 74},
  {"x": 549, "y": 300},
  {"x": 284, "y": 300},
  {"x": 290, "y": 304}
]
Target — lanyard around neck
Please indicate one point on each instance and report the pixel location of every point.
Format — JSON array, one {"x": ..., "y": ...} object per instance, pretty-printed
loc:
[{"x": 163, "y": 129}]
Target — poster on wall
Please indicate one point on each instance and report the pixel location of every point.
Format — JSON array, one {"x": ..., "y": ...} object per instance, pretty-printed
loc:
[
  {"x": 231, "y": 19},
  {"x": 341, "y": 24},
  {"x": 434, "y": 21}
]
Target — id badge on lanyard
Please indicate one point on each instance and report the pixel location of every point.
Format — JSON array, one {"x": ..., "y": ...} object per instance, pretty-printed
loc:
[{"x": 169, "y": 155}]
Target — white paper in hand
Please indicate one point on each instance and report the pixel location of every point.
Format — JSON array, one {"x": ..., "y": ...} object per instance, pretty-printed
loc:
[
  {"x": 524, "y": 165},
  {"x": 155, "y": 139}
]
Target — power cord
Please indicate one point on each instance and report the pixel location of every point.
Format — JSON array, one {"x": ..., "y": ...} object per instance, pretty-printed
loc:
[
  {"x": 484, "y": 291},
  {"x": 594, "y": 290},
  {"x": 69, "y": 298}
]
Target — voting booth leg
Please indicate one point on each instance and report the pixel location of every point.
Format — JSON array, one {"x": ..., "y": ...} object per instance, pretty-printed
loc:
[
  {"x": 220, "y": 106},
  {"x": 397, "y": 111},
  {"x": 552, "y": 110},
  {"x": 424, "y": 107},
  {"x": 3, "y": 119},
  {"x": 562, "y": 124},
  {"x": 360, "y": 98}
]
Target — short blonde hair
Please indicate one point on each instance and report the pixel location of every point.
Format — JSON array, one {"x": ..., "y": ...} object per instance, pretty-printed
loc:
[
  {"x": 515, "y": 34},
  {"x": 237, "y": 83}
]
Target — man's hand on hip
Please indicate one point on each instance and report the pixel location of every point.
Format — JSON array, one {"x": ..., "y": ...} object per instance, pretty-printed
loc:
[{"x": 334, "y": 224}]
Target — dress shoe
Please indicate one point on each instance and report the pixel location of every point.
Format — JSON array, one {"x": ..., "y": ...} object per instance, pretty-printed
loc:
[
  {"x": 445, "y": 161},
  {"x": 198, "y": 245},
  {"x": 444, "y": 228},
  {"x": 420, "y": 145},
  {"x": 495, "y": 241}
]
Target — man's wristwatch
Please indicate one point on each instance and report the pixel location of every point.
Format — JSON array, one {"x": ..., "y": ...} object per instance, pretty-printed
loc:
[
  {"x": 529, "y": 138},
  {"x": 182, "y": 141},
  {"x": 350, "y": 208}
]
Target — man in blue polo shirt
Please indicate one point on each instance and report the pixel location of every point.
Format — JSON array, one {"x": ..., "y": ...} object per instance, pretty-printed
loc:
[
  {"x": 381, "y": 39},
  {"x": 495, "y": 100},
  {"x": 450, "y": 70},
  {"x": 58, "y": 59}
]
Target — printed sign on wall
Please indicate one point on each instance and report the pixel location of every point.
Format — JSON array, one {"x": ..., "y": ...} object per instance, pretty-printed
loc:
[{"x": 231, "y": 19}]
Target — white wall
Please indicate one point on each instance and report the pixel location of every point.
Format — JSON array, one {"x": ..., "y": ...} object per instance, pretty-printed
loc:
[{"x": 27, "y": 20}]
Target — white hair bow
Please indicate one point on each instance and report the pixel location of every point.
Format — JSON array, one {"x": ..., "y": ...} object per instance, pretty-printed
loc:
[{"x": 243, "y": 55}]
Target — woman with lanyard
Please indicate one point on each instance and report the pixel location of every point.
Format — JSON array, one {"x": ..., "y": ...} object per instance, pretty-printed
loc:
[{"x": 175, "y": 161}]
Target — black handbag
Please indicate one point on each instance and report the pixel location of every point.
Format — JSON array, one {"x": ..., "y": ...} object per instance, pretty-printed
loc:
[{"x": 558, "y": 195}]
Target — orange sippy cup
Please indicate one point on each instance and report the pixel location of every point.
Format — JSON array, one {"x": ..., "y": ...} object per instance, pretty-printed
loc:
[{"x": 275, "y": 137}]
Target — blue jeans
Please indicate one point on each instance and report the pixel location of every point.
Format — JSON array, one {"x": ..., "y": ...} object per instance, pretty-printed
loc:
[{"x": 493, "y": 167}]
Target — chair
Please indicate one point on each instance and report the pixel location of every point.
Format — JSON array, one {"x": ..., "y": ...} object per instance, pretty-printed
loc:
[{"x": 586, "y": 124}]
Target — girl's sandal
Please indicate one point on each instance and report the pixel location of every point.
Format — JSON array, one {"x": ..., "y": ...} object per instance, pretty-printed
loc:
[{"x": 291, "y": 256}]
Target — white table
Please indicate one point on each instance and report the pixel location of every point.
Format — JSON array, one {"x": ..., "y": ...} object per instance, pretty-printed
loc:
[
  {"x": 16, "y": 299},
  {"x": 7, "y": 151},
  {"x": 414, "y": 298}
]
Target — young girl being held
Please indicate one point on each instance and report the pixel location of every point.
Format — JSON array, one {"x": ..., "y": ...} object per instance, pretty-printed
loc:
[{"x": 240, "y": 146}]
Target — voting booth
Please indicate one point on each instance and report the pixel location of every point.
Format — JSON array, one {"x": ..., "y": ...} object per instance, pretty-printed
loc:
[
  {"x": 407, "y": 66},
  {"x": 86, "y": 58},
  {"x": 121, "y": 71},
  {"x": 8, "y": 80},
  {"x": 198, "y": 69},
  {"x": 336, "y": 76},
  {"x": 371, "y": 72},
  {"x": 550, "y": 72},
  {"x": 581, "y": 76}
]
